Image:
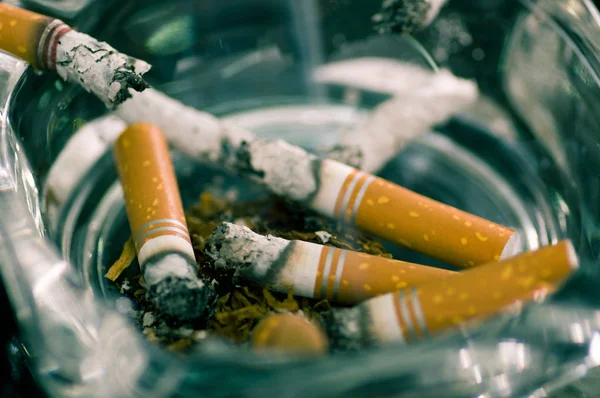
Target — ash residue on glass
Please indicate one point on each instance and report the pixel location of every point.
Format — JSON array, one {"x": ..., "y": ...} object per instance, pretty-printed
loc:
[{"x": 239, "y": 308}]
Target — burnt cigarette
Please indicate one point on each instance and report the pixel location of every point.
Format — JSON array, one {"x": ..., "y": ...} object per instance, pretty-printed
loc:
[
  {"x": 406, "y": 16},
  {"x": 415, "y": 314},
  {"x": 157, "y": 221},
  {"x": 328, "y": 187},
  {"x": 421, "y": 100},
  {"x": 50, "y": 44},
  {"x": 198, "y": 134},
  {"x": 312, "y": 270},
  {"x": 290, "y": 334}
]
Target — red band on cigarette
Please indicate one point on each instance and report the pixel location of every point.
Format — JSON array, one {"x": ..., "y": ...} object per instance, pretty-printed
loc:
[{"x": 61, "y": 32}]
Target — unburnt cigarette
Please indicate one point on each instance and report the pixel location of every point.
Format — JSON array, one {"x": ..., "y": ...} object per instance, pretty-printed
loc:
[
  {"x": 50, "y": 44},
  {"x": 326, "y": 186},
  {"x": 406, "y": 16},
  {"x": 157, "y": 221},
  {"x": 312, "y": 270},
  {"x": 414, "y": 314},
  {"x": 290, "y": 334}
]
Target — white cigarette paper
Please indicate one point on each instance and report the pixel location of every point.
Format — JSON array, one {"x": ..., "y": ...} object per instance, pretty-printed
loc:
[
  {"x": 421, "y": 99},
  {"x": 430, "y": 99},
  {"x": 284, "y": 169}
]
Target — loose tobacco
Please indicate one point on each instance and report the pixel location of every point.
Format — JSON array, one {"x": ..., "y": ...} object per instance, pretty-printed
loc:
[{"x": 239, "y": 308}]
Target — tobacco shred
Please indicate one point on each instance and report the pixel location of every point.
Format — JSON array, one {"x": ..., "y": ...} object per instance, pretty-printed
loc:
[
  {"x": 125, "y": 260},
  {"x": 239, "y": 308}
]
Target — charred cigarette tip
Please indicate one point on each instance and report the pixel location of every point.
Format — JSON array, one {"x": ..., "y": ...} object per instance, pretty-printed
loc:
[
  {"x": 50, "y": 44},
  {"x": 174, "y": 288},
  {"x": 344, "y": 329},
  {"x": 99, "y": 68},
  {"x": 237, "y": 247},
  {"x": 406, "y": 16},
  {"x": 286, "y": 169},
  {"x": 313, "y": 270}
]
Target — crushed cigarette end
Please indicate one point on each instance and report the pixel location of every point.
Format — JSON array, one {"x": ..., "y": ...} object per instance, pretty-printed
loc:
[{"x": 123, "y": 262}]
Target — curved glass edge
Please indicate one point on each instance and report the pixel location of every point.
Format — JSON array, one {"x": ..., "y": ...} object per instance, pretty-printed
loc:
[
  {"x": 75, "y": 348},
  {"x": 551, "y": 76},
  {"x": 79, "y": 350}
]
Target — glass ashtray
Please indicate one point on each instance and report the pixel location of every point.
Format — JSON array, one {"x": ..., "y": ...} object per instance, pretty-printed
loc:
[{"x": 524, "y": 155}]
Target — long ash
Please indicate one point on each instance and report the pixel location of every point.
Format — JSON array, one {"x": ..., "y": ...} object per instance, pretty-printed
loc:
[{"x": 285, "y": 169}]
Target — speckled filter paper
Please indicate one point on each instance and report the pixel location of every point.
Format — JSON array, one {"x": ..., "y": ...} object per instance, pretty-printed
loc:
[
  {"x": 152, "y": 196},
  {"x": 433, "y": 307}
]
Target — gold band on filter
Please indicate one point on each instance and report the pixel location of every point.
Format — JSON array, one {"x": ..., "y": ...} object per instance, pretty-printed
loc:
[
  {"x": 441, "y": 304},
  {"x": 350, "y": 277},
  {"x": 21, "y": 32},
  {"x": 152, "y": 196},
  {"x": 419, "y": 223}
]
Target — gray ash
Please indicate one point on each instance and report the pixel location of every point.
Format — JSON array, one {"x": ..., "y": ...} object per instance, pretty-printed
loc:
[{"x": 401, "y": 16}]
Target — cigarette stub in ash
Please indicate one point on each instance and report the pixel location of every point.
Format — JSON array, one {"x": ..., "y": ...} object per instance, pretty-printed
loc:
[
  {"x": 50, "y": 44},
  {"x": 313, "y": 270},
  {"x": 415, "y": 314},
  {"x": 406, "y": 16},
  {"x": 290, "y": 334},
  {"x": 157, "y": 221}
]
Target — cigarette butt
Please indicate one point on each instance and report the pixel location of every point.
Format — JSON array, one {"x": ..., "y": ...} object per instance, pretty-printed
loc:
[
  {"x": 50, "y": 44},
  {"x": 291, "y": 334},
  {"x": 155, "y": 213},
  {"x": 406, "y": 218},
  {"x": 313, "y": 270},
  {"x": 415, "y": 314}
]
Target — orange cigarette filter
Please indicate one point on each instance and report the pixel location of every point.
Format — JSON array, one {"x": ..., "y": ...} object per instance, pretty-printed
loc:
[
  {"x": 349, "y": 277},
  {"x": 155, "y": 212},
  {"x": 152, "y": 196},
  {"x": 30, "y": 36},
  {"x": 433, "y": 307},
  {"x": 291, "y": 334},
  {"x": 409, "y": 219},
  {"x": 313, "y": 270}
]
